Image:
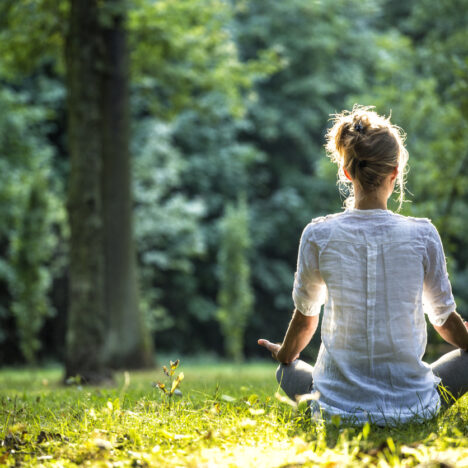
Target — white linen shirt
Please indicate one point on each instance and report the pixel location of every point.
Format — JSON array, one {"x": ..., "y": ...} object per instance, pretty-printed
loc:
[{"x": 371, "y": 269}]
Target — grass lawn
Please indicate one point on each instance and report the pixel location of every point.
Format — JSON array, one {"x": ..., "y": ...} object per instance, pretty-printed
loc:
[{"x": 227, "y": 415}]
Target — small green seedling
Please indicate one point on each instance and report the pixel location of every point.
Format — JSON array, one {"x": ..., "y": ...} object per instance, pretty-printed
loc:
[{"x": 171, "y": 387}]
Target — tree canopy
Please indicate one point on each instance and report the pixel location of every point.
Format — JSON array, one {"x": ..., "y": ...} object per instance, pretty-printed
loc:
[{"x": 226, "y": 99}]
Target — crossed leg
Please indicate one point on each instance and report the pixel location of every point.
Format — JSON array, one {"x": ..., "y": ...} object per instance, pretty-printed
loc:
[
  {"x": 452, "y": 368},
  {"x": 295, "y": 378}
]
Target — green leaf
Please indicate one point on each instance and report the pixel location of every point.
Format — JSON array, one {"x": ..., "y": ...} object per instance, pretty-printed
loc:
[
  {"x": 176, "y": 382},
  {"x": 336, "y": 420},
  {"x": 365, "y": 430}
]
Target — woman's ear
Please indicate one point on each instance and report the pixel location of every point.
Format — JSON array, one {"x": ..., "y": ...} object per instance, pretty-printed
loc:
[
  {"x": 347, "y": 174},
  {"x": 394, "y": 173}
]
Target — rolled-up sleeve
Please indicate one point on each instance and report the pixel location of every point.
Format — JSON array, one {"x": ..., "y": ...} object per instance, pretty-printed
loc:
[
  {"x": 439, "y": 301},
  {"x": 309, "y": 290}
]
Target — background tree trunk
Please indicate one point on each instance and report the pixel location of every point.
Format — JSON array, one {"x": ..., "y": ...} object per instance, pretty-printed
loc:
[
  {"x": 127, "y": 344},
  {"x": 105, "y": 328},
  {"x": 86, "y": 318}
]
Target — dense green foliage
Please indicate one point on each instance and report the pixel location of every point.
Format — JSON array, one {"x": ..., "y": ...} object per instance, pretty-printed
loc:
[
  {"x": 167, "y": 235},
  {"x": 235, "y": 295},
  {"x": 31, "y": 218},
  {"x": 227, "y": 98},
  {"x": 227, "y": 416}
]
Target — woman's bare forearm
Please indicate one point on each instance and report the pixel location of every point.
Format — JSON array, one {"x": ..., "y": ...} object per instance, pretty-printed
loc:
[
  {"x": 300, "y": 331},
  {"x": 454, "y": 331}
]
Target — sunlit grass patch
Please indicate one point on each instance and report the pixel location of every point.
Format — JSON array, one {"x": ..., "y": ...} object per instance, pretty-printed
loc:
[{"x": 227, "y": 415}]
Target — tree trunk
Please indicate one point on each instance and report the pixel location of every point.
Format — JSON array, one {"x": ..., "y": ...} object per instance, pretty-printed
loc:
[
  {"x": 86, "y": 317},
  {"x": 127, "y": 345},
  {"x": 105, "y": 328}
]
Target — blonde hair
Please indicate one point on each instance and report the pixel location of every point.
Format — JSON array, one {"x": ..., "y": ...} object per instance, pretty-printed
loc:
[{"x": 369, "y": 147}]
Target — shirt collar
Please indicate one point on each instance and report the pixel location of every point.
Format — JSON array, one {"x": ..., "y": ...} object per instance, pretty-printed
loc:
[{"x": 374, "y": 211}]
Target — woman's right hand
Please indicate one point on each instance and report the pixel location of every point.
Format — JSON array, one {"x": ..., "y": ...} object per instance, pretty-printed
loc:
[
  {"x": 272, "y": 347},
  {"x": 277, "y": 351}
]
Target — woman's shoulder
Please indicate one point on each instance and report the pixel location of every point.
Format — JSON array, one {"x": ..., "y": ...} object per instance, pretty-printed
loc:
[
  {"x": 424, "y": 224},
  {"x": 320, "y": 225},
  {"x": 326, "y": 219},
  {"x": 421, "y": 229}
]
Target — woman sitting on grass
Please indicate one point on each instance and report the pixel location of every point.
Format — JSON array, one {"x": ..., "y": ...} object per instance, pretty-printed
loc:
[{"x": 371, "y": 269}]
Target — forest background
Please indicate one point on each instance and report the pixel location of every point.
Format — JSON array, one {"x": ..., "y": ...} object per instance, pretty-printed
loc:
[{"x": 228, "y": 106}]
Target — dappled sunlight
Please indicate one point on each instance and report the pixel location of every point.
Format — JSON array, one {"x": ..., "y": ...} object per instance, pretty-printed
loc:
[
  {"x": 223, "y": 417},
  {"x": 159, "y": 160}
]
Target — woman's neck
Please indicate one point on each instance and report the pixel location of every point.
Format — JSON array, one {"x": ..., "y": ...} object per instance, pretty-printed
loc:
[{"x": 376, "y": 199}]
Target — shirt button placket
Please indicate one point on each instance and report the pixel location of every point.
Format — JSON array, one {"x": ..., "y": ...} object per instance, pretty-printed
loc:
[{"x": 370, "y": 303}]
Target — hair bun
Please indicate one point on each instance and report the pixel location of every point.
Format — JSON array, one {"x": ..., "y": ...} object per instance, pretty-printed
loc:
[
  {"x": 366, "y": 147},
  {"x": 358, "y": 127},
  {"x": 361, "y": 123}
]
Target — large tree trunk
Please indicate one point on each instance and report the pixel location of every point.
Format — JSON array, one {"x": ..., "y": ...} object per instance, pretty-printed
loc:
[
  {"x": 105, "y": 328},
  {"x": 86, "y": 316},
  {"x": 128, "y": 345}
]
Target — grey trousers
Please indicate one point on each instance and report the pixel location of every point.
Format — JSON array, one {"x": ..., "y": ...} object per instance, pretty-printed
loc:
[{"x": 452, "y": 368}]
